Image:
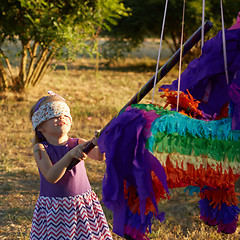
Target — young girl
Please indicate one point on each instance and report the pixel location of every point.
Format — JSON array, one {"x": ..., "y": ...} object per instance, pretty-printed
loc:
[{"x": 67, "y": 208}]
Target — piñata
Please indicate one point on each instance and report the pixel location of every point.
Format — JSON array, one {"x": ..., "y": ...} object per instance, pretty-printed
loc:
[{"x": 150, "y": 149}]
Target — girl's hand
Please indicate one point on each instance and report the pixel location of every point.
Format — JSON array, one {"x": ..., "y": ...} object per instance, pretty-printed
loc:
[
  {"x": 77, "y": 152},
  {"x": 95, "y": 152}
]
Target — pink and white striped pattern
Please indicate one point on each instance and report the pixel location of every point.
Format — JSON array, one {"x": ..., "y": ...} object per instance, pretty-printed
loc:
[{"x": 69, "y": 218}]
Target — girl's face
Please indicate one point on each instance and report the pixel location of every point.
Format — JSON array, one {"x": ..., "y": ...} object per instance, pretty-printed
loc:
[{"x": 56, "y": 127}]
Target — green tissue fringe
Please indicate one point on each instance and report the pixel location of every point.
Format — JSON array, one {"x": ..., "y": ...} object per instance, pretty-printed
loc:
[
  {"x": 163, "y": 142},
  {"x": 172, "y": 121},
  {"x": 175, "y": 132},
  {"x": 150, "y": 107}
]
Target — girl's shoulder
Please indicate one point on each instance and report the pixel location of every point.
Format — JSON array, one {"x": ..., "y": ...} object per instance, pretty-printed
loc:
[
  {"x": 73, "y": 142},
  {"x": 81, "y": 140},
  {"x": 38, "y": 146}
]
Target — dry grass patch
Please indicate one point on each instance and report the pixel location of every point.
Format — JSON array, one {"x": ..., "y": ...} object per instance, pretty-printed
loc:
[{"x": 94, "y": 98}]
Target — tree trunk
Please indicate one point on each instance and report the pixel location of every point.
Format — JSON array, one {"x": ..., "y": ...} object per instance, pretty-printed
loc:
[
  {"x": 19, "y": 81},
  {"x": 3, "y": 80},
  {"x": 33, "y": 78},
  {"x": 33, "y": 65},
  {"x": 33, "y": 56},
  {"x": 43, "y": 69},
  {"x": 8, "y": 66}
]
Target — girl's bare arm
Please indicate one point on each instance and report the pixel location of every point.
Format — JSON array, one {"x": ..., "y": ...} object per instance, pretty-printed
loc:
[
  {"x": 95, "y": 152},
  {"x": 54, "y": 172}
]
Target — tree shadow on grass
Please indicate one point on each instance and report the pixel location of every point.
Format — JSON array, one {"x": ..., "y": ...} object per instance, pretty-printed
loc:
[
  {"x": 18, "y": 195},
  {"x": 137, "y": 66}
]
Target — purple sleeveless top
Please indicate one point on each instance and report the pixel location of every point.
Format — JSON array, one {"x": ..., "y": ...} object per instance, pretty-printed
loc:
[{"x": 73, "y": 182}]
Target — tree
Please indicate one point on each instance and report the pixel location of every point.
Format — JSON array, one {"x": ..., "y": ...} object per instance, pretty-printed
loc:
[
  {"x": 47, "y": 29},
  {"x": 146, "y": 21}
]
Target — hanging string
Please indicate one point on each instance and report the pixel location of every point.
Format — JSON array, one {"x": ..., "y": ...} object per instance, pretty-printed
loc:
[
  {"x": 224, "y": 44},
  {"x": 159, "y": 50},
  {"x": 203, "y": 18},
  {"x": 180, "y": 61}
]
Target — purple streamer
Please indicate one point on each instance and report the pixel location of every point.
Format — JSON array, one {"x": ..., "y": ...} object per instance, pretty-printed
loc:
[
  {"x": 123, "y": 141},
  {"x": 225, "y": 217},
  {"x": 205, "y": 77}
]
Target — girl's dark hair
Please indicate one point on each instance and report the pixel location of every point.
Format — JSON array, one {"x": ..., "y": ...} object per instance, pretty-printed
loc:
[{"x": 38, "y": 138}]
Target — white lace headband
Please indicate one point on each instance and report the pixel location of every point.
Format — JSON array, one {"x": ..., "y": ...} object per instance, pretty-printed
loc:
[{"x": 50, "y": 110}]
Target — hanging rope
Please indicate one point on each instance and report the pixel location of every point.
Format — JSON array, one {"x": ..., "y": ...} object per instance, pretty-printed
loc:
[
  {"x": 203, "y": 18},
  {"x": 224, "y": 44},
  {"x": 159, "y": 50},
  {"x": 180, "y": 61}
]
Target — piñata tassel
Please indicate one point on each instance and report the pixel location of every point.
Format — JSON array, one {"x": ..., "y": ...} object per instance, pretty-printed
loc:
[{"x": 218, "y": 209}]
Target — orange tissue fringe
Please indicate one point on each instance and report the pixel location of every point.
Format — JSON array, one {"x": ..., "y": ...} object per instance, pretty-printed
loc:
[
  {"x": 133, "y": 199},
  {"x": 187, "y": 104},
  {"x": 219, "y": 196},
  {"x": 202, "y": 176}
]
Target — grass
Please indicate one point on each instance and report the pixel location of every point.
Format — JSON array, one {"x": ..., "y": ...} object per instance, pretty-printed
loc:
[{"x": 94, "y": 98}]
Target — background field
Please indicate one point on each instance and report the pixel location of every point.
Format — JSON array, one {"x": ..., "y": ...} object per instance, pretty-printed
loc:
[{"x": 94, "y": 98}]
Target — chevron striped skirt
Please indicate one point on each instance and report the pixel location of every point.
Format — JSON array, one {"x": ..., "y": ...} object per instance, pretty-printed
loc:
[{"x": 69, "y": 218}]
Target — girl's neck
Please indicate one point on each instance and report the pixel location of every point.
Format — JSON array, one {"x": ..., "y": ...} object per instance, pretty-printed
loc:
[{"x": 57, "y": 141}]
